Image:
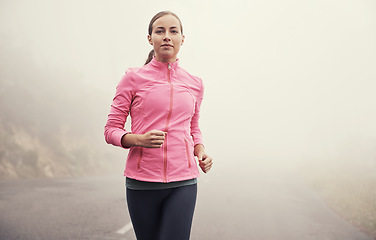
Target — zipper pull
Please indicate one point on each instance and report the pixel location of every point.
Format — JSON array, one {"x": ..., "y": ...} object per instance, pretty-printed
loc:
[{"x": 169, "y": 67}]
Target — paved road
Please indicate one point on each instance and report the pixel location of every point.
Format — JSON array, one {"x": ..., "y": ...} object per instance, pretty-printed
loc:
[{"x": 261, "y": 204}]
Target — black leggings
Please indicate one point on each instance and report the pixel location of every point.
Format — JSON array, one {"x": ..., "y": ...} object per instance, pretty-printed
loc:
[{"x": 164, "y": 214}]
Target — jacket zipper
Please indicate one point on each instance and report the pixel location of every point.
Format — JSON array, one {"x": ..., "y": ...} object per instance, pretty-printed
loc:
[
  {"x": 188, "y": 157},
  {"x": 167, "y": 122}
]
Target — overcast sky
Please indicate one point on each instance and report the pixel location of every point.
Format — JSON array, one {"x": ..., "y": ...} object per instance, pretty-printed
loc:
[{"x": 285, "y": 81}]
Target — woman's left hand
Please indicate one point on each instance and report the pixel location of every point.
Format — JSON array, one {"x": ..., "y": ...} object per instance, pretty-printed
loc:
[{"x": 205, "y": 162}]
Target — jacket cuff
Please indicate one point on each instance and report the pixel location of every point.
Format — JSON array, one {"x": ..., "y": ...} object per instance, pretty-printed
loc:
[
  {"x": 117, "y": 136},
  {"x": 198, "y": 141},
  {"x": 121, "y": 145}
]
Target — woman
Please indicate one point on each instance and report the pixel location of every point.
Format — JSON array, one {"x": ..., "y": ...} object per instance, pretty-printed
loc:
[{"x": 164, "y": 103}]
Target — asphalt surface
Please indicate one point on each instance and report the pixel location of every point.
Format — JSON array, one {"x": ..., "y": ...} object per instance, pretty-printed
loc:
[{"x": 262, "y": 204}]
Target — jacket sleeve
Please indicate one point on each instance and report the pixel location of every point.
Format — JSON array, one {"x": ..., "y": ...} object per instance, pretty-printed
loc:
[
  {"x": 195, "y": 129},
  {"x": 119, "y": 111}
]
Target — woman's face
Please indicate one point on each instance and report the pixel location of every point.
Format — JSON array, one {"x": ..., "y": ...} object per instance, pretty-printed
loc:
[{"x": 166, "y": 38}]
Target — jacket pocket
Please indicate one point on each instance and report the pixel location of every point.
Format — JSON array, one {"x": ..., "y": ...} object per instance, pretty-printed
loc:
[
  {"x": 187, "y": 152},
  {"x": 139, "y": 158}
]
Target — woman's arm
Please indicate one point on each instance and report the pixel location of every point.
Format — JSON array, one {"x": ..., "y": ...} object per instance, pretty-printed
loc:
[
  {"x": 195, "y": 129},
  {"x": 204, "y": 160},
  {"x": 119, "y": 111}
]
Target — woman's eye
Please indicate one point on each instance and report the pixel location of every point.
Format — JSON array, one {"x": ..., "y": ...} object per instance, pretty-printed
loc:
[{"x": 158, "y": 31}]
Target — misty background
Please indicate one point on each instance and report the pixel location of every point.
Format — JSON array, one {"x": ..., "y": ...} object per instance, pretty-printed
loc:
[{"x": 288, "y": 84}]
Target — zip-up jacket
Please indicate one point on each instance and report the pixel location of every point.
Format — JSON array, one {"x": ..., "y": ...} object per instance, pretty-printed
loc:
[{"x": 158, "y": 96}]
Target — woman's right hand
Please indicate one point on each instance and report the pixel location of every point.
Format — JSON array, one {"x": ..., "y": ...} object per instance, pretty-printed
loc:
[{"x": 152, "y": 139}]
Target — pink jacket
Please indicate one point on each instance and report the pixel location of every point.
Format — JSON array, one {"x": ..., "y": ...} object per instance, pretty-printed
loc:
[{"x": 165, "y": 97}]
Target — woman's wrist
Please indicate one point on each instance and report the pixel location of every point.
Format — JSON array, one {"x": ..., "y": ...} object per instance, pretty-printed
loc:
[
  {"x": 130, "y": 140},
  {"x": 199, "y": 148}
]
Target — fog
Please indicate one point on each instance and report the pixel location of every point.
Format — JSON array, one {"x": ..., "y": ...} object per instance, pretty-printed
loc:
[{"x": 286, "y": 82}]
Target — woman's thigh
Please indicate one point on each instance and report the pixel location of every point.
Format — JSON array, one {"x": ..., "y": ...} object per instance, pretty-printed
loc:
[
  {"x": 162, "y": 214},
  {"x": 178, "y": 212},
  {"x": 145, "y": 209}
]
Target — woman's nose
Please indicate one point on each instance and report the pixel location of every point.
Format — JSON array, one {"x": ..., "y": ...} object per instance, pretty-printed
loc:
[{"x": 167, "y": 37}]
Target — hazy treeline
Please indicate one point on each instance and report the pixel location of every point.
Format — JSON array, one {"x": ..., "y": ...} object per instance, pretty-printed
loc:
[{"x": 49, "y": 119}]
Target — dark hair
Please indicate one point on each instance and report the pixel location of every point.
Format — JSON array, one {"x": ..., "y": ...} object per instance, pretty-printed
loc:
[{"x": 150, "y": 30}]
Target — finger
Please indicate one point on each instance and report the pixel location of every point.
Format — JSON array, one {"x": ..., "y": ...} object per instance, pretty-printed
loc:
[
  {"x": 158, "y": 133},
  {"x": 207, "y": 168},
  {"x": 207, "y": 161},
  {"x": 206, "y": 157},
  {"x": 155, "y": 146},
  {"x": 157, "y": 138},
  {"x": 157, "y": 142},
  {"x": 209, "y": 164}
]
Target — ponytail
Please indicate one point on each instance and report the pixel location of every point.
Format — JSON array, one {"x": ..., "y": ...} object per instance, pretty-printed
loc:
[{"x": 150, "y": 57}]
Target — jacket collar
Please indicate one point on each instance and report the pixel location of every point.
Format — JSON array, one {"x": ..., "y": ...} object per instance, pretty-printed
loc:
[{"x": 154, "y": 62}]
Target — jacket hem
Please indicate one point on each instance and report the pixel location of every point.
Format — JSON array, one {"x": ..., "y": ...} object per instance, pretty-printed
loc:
[{"x": 161, "y": 178}]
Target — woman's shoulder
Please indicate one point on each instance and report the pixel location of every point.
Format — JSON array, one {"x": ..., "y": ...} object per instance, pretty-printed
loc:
[
  {"x": 127, "y": 80},
  {"x": 134, "y": 77},
  {"x": 131, "y": 72},
  {"x": 134, "y": 71}
]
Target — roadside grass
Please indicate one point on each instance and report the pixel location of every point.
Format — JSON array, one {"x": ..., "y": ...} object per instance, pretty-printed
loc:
[{"x": 350, "y": 189}]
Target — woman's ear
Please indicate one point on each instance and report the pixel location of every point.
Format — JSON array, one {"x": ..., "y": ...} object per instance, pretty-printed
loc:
[
  {"x": 149, "y": 39},
  {"x": 182, "y": 40}
]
